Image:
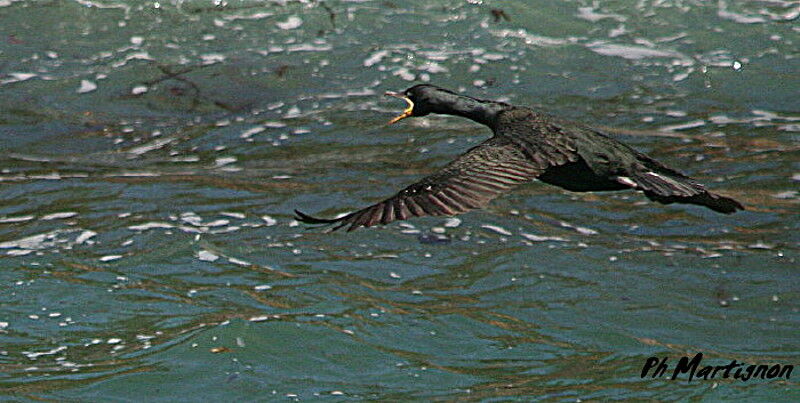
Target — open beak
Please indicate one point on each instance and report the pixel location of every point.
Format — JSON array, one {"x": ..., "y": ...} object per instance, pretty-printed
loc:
[{"x": 407, "y": 112}]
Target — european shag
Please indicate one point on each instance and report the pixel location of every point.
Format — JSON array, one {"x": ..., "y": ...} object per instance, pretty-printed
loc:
[{"x": 526, "y": 145}]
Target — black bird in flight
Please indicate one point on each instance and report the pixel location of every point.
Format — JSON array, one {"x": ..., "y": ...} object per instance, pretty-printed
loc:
[{"x": 526, "y": 145}]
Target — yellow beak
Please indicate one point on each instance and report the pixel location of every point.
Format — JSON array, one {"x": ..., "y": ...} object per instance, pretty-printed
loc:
[{"x": 407, "y": 112}]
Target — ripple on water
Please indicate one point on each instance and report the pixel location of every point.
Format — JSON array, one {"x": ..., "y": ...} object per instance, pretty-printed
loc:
[{"x": 146, "y": 215}]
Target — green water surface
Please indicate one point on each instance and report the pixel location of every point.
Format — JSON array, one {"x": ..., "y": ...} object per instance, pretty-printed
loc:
[{"x": 153, "y": 152}]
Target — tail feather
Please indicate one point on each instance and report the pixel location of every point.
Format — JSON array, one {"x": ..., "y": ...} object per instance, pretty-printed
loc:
[
  {"x": 662, "y": 187},
  {"x": 718, "y": 203}
]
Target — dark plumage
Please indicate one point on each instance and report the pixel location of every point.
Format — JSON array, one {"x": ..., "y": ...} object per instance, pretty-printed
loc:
[{"x": 526, "y": 145}]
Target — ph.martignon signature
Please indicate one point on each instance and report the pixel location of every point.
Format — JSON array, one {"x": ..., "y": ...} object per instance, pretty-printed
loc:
[{"x": 693, "y": 367}]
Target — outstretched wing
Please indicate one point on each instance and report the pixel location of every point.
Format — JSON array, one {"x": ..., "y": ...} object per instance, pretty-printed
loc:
[{"x": 470, "y": 182}]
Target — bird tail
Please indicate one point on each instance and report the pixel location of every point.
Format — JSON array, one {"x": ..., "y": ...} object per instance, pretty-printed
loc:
[
  {"x": 667, "y": 189},
  {"x": 718, "y": 203}
]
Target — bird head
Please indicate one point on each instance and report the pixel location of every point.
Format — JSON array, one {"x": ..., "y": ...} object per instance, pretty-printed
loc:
[{"x": 422, "y": 99}]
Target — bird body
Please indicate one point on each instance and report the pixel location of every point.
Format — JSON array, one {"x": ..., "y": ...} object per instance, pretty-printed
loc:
[{"x": 525, "y": 145}]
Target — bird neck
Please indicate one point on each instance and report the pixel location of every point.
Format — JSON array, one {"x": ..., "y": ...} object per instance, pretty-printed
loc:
[{"x": 483, "y": 112}]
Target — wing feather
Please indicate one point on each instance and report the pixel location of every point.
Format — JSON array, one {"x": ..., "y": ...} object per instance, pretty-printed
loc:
[{"x": 469, "y": 182}]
